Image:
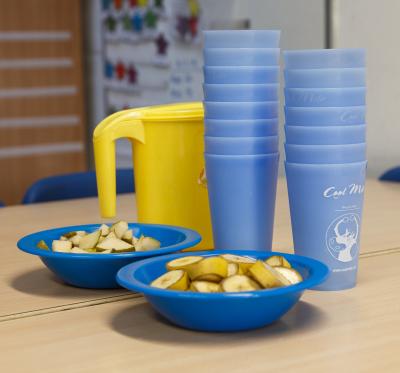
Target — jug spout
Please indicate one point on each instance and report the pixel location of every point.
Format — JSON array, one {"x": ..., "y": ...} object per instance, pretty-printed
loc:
[{"x": 125, "y": 124}]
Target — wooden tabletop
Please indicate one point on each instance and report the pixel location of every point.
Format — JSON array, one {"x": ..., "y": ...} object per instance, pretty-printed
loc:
[
  {"x": 357, "y": 330},
  {"x": 44, "y": 317},
  {"x": 30, "y": 287}
]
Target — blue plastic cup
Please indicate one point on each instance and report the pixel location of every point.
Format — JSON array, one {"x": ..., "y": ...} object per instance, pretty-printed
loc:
[
  {"x": 241, "y": 191},
  {"x": 324, "y": 116},
  {"x": 324, "y": 78},
  {"x": 241, "y": 145},
  {"x": 328, "y": 154},
  {"x": 241, "y": 92},
  {"x": 241, "y": 128},
  {"x": 325, "y": 97},
  {"x": 326, "y": 204},
  {"x": 241, "y": 110},
  {"x": 241, "y": 74},
  {"x": 241, "y": 56},
  {"x": 324, "y": 58},
  {"x": 241, "y": 38},
  {"x": 332, "y": 135}
]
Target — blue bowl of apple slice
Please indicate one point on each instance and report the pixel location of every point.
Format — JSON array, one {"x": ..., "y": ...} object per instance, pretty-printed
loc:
[{"x": 89, "y": 256}]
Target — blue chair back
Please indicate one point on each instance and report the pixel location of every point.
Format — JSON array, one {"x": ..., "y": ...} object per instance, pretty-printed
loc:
[
  {"x": 75, "y": 185},
  {"x": 2, "y": 204},
  {"x": 391, "y": 175}
]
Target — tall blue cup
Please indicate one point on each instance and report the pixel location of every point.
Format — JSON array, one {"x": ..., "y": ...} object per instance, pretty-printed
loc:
[
  {"x": 326, "y": 204},
  {"x": 241, "y": 56},
  {"x": 324, "y": 116},
  {"x": 312, "y": 154},
  {"x": 328, "y": 135},
  {"x": 241, "y": 128},
  {"x": 241, "y": 38},
  {"x": 241, "y": 145},
  {"x": 324, "y": 58},
  {"x": 242, "y": 192},
  {"x": 241, "y": 92},
  {"x": 324, "y": 78},
  {"x": 241, "y": 74},
  {"x": 241, "y": 110},
  {"x": 325, "y": 97}
]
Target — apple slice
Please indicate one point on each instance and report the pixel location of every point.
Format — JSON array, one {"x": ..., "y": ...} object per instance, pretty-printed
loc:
[
  {"x": 115, "y": 244},
  {"x": 61, "y": 246},
  {"x": 90, "y": 240}
]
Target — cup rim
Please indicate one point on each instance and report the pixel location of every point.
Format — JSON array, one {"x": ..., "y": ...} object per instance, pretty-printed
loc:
[
  {"x": 242, "y": 85},
  {"x": 326, "y": 128},
  {"x": 269, "y": 121},
  {"x": 232, "y": 49},
  {"x": 323, "y": 108},
  {"x": 244, "y": 68},
  {"x": 242, "y": 103},
  {"x": 337, "y": 165},
  {"x": 241, "y": 138},
  {"x": 326, "y": 89},
  {"x": 328, "y": 146},
  {"x": 325, "y": 70}
]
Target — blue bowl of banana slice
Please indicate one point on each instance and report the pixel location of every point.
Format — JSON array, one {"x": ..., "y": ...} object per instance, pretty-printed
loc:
[{"x": 223, "y": 291}]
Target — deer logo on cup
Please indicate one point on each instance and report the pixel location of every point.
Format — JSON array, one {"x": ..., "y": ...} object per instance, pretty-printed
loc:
[{"x": 342, "y": 237}]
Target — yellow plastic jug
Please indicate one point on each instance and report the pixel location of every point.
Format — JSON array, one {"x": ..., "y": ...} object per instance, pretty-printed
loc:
[{"x": 168, "y": 147}]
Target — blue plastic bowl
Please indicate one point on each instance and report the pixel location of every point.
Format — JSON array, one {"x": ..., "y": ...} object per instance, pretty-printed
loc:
[
  {"x": 221, "y": 312},
  {"x": 98, "y": 271}
]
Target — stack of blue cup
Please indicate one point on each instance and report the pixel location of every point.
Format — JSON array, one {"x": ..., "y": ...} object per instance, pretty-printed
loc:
[
  {"x": 241, "y": 84},
  {"x": 326, "y": 157}
]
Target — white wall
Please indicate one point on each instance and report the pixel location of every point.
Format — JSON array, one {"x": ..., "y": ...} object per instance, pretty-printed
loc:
[{"x": 375, "y": 25}]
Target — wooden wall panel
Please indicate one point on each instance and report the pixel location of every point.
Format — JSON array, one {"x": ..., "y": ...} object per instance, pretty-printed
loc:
[
  {"x": 41, "y": 92},
  {"x": 29, "y": 78},
  {"x": 34, "y": 168}
]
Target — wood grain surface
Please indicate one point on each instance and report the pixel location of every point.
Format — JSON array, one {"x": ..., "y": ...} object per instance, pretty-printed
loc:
[{"x": 357, "y": 330}]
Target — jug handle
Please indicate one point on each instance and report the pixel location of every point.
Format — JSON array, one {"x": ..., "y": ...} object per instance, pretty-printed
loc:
[{"x": 124, "y": 124}]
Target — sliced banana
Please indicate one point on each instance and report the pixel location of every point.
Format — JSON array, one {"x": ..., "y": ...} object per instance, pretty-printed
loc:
[
  {"x": 214, "y": 266},
  {"x": 290, "y": 274},
  {"x": 182, "y": 263},
  {"x": 267, "y": 276},
  {"x": 234, "y": 269},
  {"x": 278, "y": 261},
  {"x": 205, "y": 287},
  {"x": 173, "y": 280},
  {"x": 239, "y": 283},
  {"x": 210, "y": 278},
  {"x": 244, "y": 262}
]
